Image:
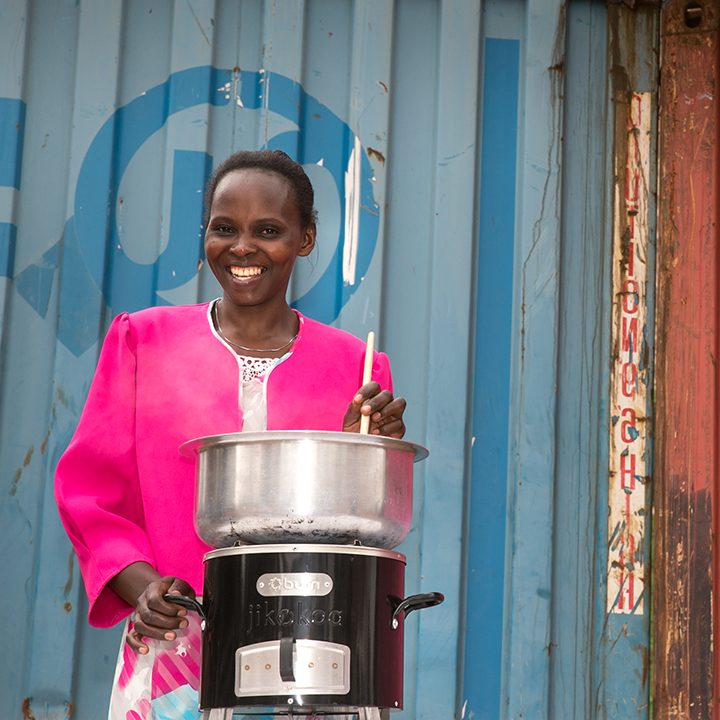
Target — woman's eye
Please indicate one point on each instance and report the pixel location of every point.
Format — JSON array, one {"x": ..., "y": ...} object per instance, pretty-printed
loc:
[
  {"x": 224, "y": 229},
  {"x": 268, "y": 231}
]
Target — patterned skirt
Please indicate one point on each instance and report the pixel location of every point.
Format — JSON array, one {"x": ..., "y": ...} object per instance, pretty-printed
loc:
[{"x": 164, "y": 683}]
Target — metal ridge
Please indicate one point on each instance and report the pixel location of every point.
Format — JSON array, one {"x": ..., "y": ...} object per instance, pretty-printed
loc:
[{"x": 305, "y": 548}]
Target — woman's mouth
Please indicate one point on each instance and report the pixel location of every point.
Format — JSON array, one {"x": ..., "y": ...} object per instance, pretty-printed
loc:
[{"x": 244, "y": 273}]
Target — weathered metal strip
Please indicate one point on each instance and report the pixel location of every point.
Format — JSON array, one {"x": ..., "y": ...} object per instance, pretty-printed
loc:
[
  {"x": 13, "y": 40},
  {"x": 687, "y": 347},
  {"x": 449, "y": 323},
  {"x": 622, "y": 667},
  {"x": 629, "y": 373},
  {"x": 53, "y": 646},
  {"x": 368, "y": 113},
  {"x": 534, "y": 375}
]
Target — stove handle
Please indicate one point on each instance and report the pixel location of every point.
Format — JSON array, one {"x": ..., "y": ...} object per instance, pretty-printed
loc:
[
  {"x": 415, "y": 602},
  {"x": 186, "y": 602},
  {"x": 287, "y": 645}
]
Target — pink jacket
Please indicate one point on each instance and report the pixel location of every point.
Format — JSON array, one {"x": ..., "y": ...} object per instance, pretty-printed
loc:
[{"x": 124, "y": 492}]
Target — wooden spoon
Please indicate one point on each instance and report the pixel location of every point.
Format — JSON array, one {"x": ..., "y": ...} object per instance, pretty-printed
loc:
[{"x": 367, "y": 376}]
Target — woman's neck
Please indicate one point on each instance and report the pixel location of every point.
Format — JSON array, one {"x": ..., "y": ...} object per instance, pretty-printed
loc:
[{"x": 261, "y": 330}]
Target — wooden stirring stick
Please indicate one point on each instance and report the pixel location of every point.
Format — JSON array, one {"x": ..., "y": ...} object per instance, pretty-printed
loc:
[{"x": 367, "y": 376}]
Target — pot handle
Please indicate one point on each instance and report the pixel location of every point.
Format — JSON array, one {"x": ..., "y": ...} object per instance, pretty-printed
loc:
[
  {"x": 415, "y": 602},
  {"x": 186, "y": 602}
]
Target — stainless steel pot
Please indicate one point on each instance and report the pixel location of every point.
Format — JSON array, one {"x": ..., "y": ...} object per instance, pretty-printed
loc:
[{"x": 303, "y": 486}]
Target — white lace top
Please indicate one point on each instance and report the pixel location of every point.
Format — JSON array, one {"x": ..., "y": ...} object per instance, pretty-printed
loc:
[
  {"x": 252, "y": 391},
  {"x": 252, "y": 387},
  {"x": 252, "y": 367}
]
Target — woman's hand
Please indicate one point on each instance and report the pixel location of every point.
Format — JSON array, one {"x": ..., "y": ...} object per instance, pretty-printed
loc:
[
  {"x": 385, "y": 412},
  {"x": 141, "y": 585},
  {"x": 155, "y": 618}
]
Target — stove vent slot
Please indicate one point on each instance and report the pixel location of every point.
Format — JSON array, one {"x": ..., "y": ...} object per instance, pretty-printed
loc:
[{"x": 319, "y": 668}]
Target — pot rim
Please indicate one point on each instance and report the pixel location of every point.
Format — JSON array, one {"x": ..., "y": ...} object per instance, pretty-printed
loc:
[
  {"x": 193, "y": 448},
  {"x": 306, "y": 549}
]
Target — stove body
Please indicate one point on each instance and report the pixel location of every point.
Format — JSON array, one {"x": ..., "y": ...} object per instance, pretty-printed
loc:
[{"x": 302, "y": 628}]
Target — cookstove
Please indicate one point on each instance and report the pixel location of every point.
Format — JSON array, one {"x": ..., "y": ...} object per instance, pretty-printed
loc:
[{"x": 303, "y": 628}]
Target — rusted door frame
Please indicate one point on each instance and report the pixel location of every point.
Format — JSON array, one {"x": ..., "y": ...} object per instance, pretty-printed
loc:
[{"x": 686, "y": 458}]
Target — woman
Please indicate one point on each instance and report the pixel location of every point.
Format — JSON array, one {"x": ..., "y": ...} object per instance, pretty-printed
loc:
[{"x": 167, "y": 375}]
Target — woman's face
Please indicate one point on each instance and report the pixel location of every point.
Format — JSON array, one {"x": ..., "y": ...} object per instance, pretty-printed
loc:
[{"x": 254, "y": 235}]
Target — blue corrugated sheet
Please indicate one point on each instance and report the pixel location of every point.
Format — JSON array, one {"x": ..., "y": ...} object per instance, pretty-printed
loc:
[{"x": 471, "y": 142}]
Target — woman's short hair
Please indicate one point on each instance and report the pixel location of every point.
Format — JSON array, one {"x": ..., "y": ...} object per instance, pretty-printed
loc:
[{"x": 273, "y": 161}]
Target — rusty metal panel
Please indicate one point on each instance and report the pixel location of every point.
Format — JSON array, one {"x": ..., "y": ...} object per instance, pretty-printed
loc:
[{"x": 685, "y": 569}]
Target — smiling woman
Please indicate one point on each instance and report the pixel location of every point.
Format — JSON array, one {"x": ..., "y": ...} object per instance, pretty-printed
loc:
[
  {"x": 167, "y": 375},
  {"x": 254, "y": 234}
]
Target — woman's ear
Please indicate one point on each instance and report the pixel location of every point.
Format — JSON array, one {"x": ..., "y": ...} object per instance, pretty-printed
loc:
[{"x": 308, "y": 241}]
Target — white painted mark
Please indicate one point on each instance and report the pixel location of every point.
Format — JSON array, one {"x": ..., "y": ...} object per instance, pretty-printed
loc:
[
  {"x": 352, "y": 213},
  {"x": 629, "y": 374}
]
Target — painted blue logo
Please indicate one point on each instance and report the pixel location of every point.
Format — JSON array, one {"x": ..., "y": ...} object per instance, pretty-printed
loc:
[{"x": 321, "y": 139}]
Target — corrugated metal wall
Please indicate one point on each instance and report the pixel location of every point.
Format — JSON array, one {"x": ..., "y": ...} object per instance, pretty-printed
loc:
[{"x": 462, "y": 157}]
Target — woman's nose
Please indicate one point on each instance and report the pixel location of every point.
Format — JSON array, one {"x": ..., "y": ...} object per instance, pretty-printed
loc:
[{"x": 243, "y": 244}]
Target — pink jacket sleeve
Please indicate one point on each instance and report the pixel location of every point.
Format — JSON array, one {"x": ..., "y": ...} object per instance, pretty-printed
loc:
[
  {"x": 381, "y": 371},
  {"x": 312, "y": 389},
  {"x": 96, "y": 482}
]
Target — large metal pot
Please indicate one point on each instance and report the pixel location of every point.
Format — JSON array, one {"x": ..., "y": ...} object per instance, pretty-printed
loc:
[{"x": 303, "y": 486}]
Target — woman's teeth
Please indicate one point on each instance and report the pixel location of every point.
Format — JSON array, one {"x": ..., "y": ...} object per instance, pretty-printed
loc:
[{"x": 244, "y": 272}]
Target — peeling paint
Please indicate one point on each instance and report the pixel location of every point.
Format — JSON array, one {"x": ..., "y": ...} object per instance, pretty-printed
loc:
[
  {"x": 699, "y": 96},
  {"x": 16, "y": 479},
  {"x": 374, "y": 212},
  {"x": 61, "y": 398},
  {"x": 372, "y": 152},
  {"x": 71, "y": 573},
  {"x": 26, "y": 712}
]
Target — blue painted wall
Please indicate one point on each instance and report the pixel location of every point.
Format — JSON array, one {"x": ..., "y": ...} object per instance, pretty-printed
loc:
[
  {"x": 491, "y": 381},
  {"x": 480, "y": 134}
]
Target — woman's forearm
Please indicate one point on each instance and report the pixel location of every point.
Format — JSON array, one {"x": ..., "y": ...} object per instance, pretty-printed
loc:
[{"x": 131, "y": 583}]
